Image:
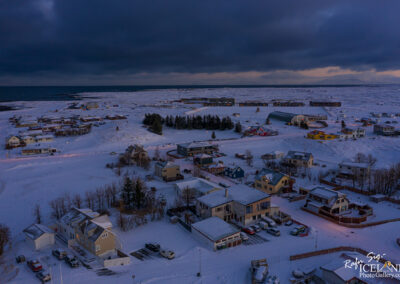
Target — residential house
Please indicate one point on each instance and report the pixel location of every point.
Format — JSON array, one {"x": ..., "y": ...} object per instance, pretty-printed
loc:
[
  {"x": 234, "y": 172},
  {"x": 91, "y": 118},
  {"x": 348, "y": 133},
  {"x": 241, "y": 204},
  {"x": 217, "y": 233},
  {"x": 26, "y": 123},
  {"x": 28, "y": 140},
  {"x": 191, "y": 149},
  {"x": 325, "y": 104},
  {"x": 253, "y": 103},
  {"x": 216, "y": 169},
  {"x": 259, "y": 131},
  {"x": 89, "y": 229},
  {"x": 39, "y": 236},
  {"x": 288, "y": 104},
  {"x": 38, "y": 151},
  {"x": 299, "y": 159},
  {"x": 202, "y": 160},
  {"x": 13, "y": 142},
  {"x": 385, "y": 130},
  {"x": 273, "y": 155},
  {"x": 321, "y": 135},
  {"x": 198, "y": 185},
  {"x": 289, "y": 118},
  {"x": 270, "y": 181},
  {"x": 351, "y": 170},
  {"x": 322, "y": 198},
  {"x": 168, "y": 171},
  {"x": 44, "y": 138}
]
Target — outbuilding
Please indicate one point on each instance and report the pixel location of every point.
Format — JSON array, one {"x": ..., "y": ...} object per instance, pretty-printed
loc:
[{"x": 39, "y": 236}]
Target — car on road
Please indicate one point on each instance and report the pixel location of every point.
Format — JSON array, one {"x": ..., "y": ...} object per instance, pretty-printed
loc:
[
  {"x": 59, "y": 253},
  {"x": 72, "y": 261},
  {"x": 167, "y": 254},
  {"x": 289, "y": 223},
  {"x": 256, "y": 228},
  {"x": 274, "y": 231},
  {"x": 298, "y": 230},
  {"x": 153, "y": 247},
  {"x": 35, "y": 265},
  {"x": 43, "y": 276},
  {"x": 248, "y": 230},
  {"x": 244, "y": 236}
]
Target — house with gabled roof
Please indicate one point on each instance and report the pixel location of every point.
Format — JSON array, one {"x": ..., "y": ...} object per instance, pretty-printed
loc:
[
  {"x": 193, "y": 148},
  {"x": 329, "y": 200},
  {"x": 234, "y": 172},
  {"x": 39, "y": 236},
  {"x": 270, "y": 181},
  {"x": 168, "y": 171},
  {"x": 299, "y": 159}
]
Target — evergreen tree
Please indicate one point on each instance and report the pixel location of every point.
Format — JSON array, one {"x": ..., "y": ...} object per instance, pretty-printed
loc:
[
  {"x": 139, "y": 195},
  {"x": 127, "y": 193},
  {"x": 156, "y": 126},
  {"x": 213, "y": 135},
  {"x": 238, "y": 127}
]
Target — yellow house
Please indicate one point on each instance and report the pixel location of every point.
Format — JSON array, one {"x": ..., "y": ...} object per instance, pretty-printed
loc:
[
  {"x": 168, "y": 171},
  {"x": 270, "y": 181},
  {"x": 14, "y": 141},
  {"x": 320, "y": 135}
]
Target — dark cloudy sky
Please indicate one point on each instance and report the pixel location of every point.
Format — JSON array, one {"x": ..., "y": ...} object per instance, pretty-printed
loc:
[{"x": 94, "y": 42}]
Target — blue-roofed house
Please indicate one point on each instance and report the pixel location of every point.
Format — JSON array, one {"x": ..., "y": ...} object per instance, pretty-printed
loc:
[{"x": 270, "y": 181}]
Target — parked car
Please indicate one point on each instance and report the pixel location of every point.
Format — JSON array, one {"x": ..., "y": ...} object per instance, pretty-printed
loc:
[
  {"x": 167, "y": 254},
  {"x": 298, "y": 230},
  {"x": 289, "y": 223},
  {"x": 43, "y": 276},
  {"x": 248, "y": 230},
  {"x": 71, "y": 260},
  {"x": 59, "y": 253},
  {"x": 269, "y": 221},
  {"x": 274, "y": 231},
  {"x": 20, "y": 258},
  {"x": 256, "y": 228},
  {"x": 244, "y": 236},
  {"x": 153, "y": 247},
  {"x": 35, "y": 265},
  {"x": 263, "y": 225}
]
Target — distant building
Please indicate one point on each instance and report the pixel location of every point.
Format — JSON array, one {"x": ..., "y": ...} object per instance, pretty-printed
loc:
[
  {"x": 28, "y": 140},
  {"x": 273, "y": 155},
  {"x": 385, "y": 130},
  {"x": 216, "y": 233},
  {"x": 234, "y": 172},
  {"x": 290, "y": 118},
  {"x": 348, "y": 133},
  {"x": 288, "y": 104},
  {"x": 43, "y": 138},
  {"x": 351, "y": 170},
  {"x": 325, "y": 104},
  {"x": 13, "y": 142},
  {"x": 38, "y": 151},
  {"x": 202, "y": 160},
  {"x": 216, "y": 169},
  {"x": 191, "y": 149},
  {"x": 39, "y": 236},
  {"x": 321, "y": 135},
  {"x": 253, "y": 103},
  {"x": 270, "y": 181},
  {"x": 299, "y": 159},
  {"x": 259, "y": 131},
  {"x": 168, "y": 171}
]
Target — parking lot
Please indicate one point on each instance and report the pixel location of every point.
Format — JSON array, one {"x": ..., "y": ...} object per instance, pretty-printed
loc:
[{"x": 255, "y": 239}]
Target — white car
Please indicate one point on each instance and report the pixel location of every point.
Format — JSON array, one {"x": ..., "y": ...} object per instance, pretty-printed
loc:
[
  {"x": 167, "y": 254},
  {"x": 244, "y": 236}
]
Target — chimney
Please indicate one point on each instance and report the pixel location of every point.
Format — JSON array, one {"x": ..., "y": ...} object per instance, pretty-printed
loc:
[{"x": 226, "y": 192}]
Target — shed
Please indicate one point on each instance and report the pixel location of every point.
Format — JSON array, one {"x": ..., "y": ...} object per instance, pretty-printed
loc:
[{"x": 39, "y": 236}]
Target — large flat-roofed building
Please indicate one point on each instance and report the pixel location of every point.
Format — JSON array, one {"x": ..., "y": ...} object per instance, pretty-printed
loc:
[
  {"x": 190, "y": 149},
  {"x": 290, "y": 118}
]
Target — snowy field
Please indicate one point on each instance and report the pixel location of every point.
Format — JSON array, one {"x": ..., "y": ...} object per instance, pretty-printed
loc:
[{"x": 81, "y": 162}]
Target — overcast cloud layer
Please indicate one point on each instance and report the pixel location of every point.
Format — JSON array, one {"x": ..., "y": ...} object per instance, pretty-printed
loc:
[{"x": 49, "y": 39}]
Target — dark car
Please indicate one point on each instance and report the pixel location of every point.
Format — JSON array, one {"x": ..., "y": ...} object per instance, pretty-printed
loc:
[
  {"x": 43, "y": 276},
  {"x": 153, "y": 247},
  {"x": 35, "y": 265},
  {"x": 59, "y": 253},
  {"x": 20, "y": 258},
  {"x": 71, "y": 260}
]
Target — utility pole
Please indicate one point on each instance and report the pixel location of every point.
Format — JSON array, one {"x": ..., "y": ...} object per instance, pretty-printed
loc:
[
  {"x": 316, "y": 239},
  {"x": 199, "y": 273}
]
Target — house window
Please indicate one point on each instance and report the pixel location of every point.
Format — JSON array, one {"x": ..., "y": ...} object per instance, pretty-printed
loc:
[
  {"x": 249, "y": 209},
  {"x": 265, "y": 205},
  {"x": 218, "y": 209},
  {"x": 254, "y": 217},
  {"x": 105, "y": 235},
  {"x": 97, "y": 248}
]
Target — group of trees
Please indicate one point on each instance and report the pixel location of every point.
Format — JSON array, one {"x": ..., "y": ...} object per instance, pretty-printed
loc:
[
  {"x": 154, "y": 121},
  {"x": 5, "y": 237},
  {"x": 135, "y": 155},
  {"x": 209, "y": 122}
]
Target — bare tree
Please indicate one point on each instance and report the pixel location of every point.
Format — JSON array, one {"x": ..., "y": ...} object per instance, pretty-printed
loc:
[
  {"x": 187, "y": 196},
  {"x": 37, "y": 213},
  {"x": 157, "y": 153},
  {"x": 249, "y": 158},
  {"x": 77, "y": 200},
  {"x": 4, "y": 237}
]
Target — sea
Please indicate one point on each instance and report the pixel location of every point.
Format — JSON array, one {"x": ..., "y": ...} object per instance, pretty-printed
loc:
[{"x": 63, "y": 93}]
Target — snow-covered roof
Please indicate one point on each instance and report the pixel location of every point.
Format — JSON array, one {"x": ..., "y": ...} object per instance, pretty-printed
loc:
[
  {"x": 202, "y": 156},
  {"x": 196, "y": 145},
  {"x": 45, "y": 137},
  {"x": 239, "y": 193},
  {"x": 326, "y": 193},
  {"x": 337, "y": 267},
  {"x": 215, "y": 228},
  {"x": 35, "y": 231},
  {"x": 298, "y": 155},
  {"x": 201, "y": 185},
  {"x": 167, "y": 164},
  {"x": 76, "y": 215},
  {"x": 102, "y": 221},
  {"x": 272, "y": 176}
]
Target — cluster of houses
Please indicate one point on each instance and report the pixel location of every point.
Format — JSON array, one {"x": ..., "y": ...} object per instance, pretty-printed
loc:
[
  {"x": 259, "y": 131},
  {"x": 84, "y": 228},
  {"x": 345, "y": 133},
  {"x": 385, "y": 130}
]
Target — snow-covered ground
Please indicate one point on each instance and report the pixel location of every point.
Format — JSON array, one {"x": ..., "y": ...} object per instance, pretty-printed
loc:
[{"x": 80, "y": 166}]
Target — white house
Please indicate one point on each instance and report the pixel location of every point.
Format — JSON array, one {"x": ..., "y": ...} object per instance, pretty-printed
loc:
[
  {"x": 199, "y": 185},
  {"x": 39, "y": 236}
]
